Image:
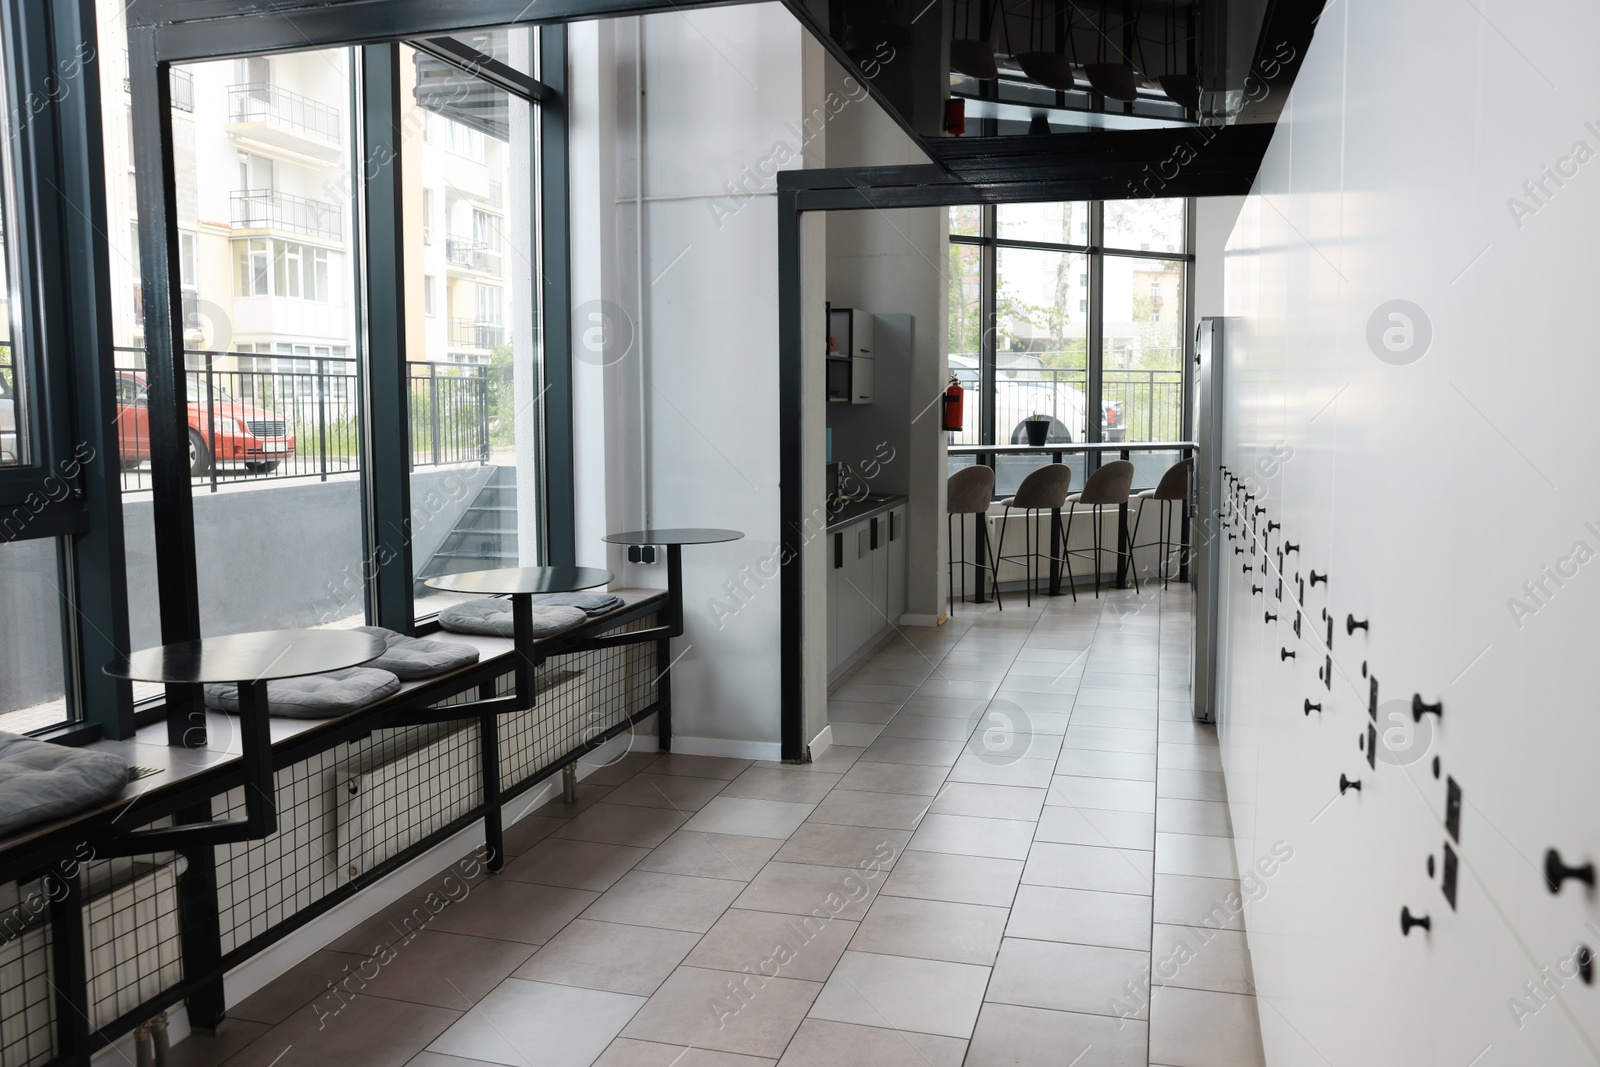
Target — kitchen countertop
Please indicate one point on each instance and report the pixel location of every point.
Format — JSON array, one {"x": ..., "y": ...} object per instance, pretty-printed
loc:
[{"x": 866, "y": 507}]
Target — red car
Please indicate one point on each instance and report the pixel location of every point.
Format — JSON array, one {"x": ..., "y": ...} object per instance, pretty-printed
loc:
[{"x": 220, "y": 430}]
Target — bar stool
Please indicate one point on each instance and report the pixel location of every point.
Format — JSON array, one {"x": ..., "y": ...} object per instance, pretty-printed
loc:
[
  {"x": 1042, "y": 490},
  {"x": 1106, "y": 487},
  {"x": 969, "y": 491},
  {"x": 1172, "y": 489}
]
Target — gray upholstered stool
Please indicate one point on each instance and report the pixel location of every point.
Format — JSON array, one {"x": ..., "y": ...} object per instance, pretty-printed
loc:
[
  {"x": 1042, "y": 490},
  {"x": 491, "y": 617},
  {"x": 1173, "y": 489},
  {"x": 411, "y": 658},
  {"x": 1106, "y": 487},
  {"x": 313, "y": 696},
  {"x": 40, "y": 782},
  {"x": 969, "y": 491}
]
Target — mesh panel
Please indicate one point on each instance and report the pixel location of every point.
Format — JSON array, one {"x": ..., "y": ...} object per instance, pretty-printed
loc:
[
  {"x": 132, "y": 929},
  {"x": 27, "y": 1009}
]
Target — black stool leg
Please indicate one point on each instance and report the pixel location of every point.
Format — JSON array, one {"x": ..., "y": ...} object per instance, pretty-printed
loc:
[
  {"x": 1072, "y": 583},
  {"x": 1027, "y": 558},
  {"x": 950, "y": 562},
  {"x": 1133, "y": 538},
  {"x": 1000, "y": 550},
  {"x": 993, "y": 568},
  {"x": 1098, "y": 519}
]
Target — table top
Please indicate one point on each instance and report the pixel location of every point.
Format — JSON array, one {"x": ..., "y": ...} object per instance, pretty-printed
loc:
[
  {"x": 522, "y": 580},
  {"x": 251, "y": 657},
  {"x": 673, "y": 536}
]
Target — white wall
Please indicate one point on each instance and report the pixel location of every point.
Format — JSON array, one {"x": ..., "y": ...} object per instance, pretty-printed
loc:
[
  {"x": 1430, "y": 493},
  {"x": 683, "y": 429}
]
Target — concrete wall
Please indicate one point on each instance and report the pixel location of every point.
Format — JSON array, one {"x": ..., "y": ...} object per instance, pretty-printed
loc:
[
  {"x": 1437, "y": 467},
  {"x": 30, "y": 636}
]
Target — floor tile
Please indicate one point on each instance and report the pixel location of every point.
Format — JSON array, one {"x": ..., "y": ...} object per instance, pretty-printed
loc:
[
  {"x": 514, "y": 911},
  {"x": 699, "y": 766},
  {"x": 962, "y": 879},
  {"x": 1030, "y": 773},
  {"x": 1175, "y": 816},
  {"x": 750, "y": 817},
  {"x": 206, "y": 1050},
  {"x": 859, "y": 847},
  {"x": 305, "y": 981},
  {"x": 877, "y": 694},
  {"x": 627, "y": 1052},
  {"x": 938, "y": 686},
  {"x": 1088, "y": 763},
  {"x": 989, "y": 801},
  {"x": 529, "y": 831},
  {"x": 1083, "y": 917},
  {"x": 1008, "y": 1035},
  {"x": 947, "y": 707},
  {"x": 860, "y": 711},
  {"x": 894, "y": 811},
  {"x": 609, "y": 956},
  {"x": 874, "y": 674},
  {"x": 1007, "y": 734},
  {"x": 967, "y": 836},
  {"x": 668, "y": 901},
  {"x": 745, "y": 1013},
  {"x": 623, "y": 824},
  {"x": 615, "y": 771},
  {"x": 1105, "y": 870},
  {"x": 1199, "y": 1028},
  {"x": 344, "y": 1031},
  {"x": 536, "y": 1024},
  {"x": 588, "y": 797},
  {"x": 1198, "y": 957},
  {"x": 1065, "y": 977},
  {"x": 931, "y": 929},
  {"x": 1109, "y": 739},
  {"x": 932, "y": 727},
  {"x": 445, "y": 970},
  {"x": 859, "y": 734},
  {"x": 873, "y": 777},
  {"x": 806, "y": 889},
  {"x": 1109, "y": 794},
  {"x": 680, "y": 792},
  {"x": 771, "y": 943},
  {"x": 1187, "y": 901},
  {"x": 575, "y": 864},
  {"x": 1195, "y": 855},
  {"x": 1191, "y": 757},
  {"x": 821, "y": 1043},
  {"x": 711, "y": 855},
  {"x": 928, "y": 996},
  {"x": 919, "y": 750},
  {"x": 835, "y": 759},
  {"x": 773, "y": 783},
  {"x": 1191, "y": 785},
  {"x": 1096, "y": 826},
  {"x": 1123, "y": 718}
]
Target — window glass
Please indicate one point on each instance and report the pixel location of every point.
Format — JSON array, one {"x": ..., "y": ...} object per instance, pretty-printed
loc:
[
  {"x": 472, "y": 316},
  {"x": 32, "y": 680},
  {"x": 1143, "y": 337},
  {"x": 964, "y": 335},
  {"x": 14, "y": 441},
  {"x": 1051, "y": 223},
  {"x": 1145, "y": 225},
  {"x": 965, "y": 220}
]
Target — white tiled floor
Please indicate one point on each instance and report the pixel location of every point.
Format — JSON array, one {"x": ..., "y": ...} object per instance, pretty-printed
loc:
[{"x": 1016, "y": 818}]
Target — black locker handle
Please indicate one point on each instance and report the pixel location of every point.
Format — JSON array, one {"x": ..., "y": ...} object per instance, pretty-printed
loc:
[
  {"x": 1408, "y": 920},
  {"x": 1557, "y": 872},
  {"x": 874, "y": 542},
  {"x": 1419, "y": 709},
  {"x": 838, "y": 551}
]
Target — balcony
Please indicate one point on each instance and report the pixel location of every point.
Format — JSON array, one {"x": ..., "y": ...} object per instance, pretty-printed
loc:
[
  {"x": 280, "y": 123},
  {"x": 182, "y": 85},
  {"x": 469, "y": 333},
  {"x": 269, "y": 209},
  {"x": 471, "y": 255}
]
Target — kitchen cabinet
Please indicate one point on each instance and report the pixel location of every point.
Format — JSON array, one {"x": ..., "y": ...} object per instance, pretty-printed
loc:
[{"x": 866, "y": 582}]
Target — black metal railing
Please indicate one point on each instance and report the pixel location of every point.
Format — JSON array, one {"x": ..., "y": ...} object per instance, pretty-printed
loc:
[
  {"x": 182, "y": 85},
  {"x": 470, "y": 333},
  {"x": 265, "y": 102},
  {"x": 268, "y": 417},
  {"x": 474, "y": 255},
  {"x": 268, "y": 208}
]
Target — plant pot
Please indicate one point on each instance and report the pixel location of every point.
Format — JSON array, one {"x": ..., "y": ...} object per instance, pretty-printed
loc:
[{"x": 1038, "y": 430}]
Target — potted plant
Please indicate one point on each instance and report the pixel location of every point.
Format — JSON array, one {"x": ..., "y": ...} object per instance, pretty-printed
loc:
[{"x": 1038, "y": 427}]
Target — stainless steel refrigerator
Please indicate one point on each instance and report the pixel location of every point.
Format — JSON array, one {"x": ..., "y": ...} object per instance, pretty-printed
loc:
[{"x": 1209, "y": 385}]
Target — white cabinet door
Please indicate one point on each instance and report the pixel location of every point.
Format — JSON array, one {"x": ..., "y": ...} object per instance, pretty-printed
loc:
[
  {"x": 855, "y": 591},
  {"x": 835, "y": 562},
  {"x": 880, "y": 573},
  {"x": 897, "y": 564}
]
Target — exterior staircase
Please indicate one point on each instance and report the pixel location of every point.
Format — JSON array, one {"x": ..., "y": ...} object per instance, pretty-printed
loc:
[{"x": 485, "y": 537}]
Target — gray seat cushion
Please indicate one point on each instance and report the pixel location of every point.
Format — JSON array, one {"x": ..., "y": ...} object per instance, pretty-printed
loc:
[
  {"x": 314, "y": 696},
  {"x": 414, "y": 657},
  {"x": 491, "y": 617},
  {"x": 40, "y": 782},
  {"x": 592, "y": 603}
]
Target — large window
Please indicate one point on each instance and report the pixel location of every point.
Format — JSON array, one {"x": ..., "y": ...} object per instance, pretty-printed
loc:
[{"x": 1076, "y": 311}]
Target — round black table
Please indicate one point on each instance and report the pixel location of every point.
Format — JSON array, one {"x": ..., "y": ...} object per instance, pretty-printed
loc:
[
  {"x": 249, "y": 661},
  {"x": 522, "y": 581},
  {"x": 673, "y": 537}
]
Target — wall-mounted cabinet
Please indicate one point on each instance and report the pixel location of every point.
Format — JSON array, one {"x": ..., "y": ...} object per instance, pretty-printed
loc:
[{"x": 850, "y": 337}]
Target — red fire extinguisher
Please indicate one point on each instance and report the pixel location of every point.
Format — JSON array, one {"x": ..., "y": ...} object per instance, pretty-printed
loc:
[{"x": 954, "y": 408}]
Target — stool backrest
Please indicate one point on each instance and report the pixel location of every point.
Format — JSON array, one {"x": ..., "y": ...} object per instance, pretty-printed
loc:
[
  {"x": 970, "y": 490},
  {"x": 1109, "y": 484},
  {"x": 1174, "y": 484},
  {"x": 1044, "y": 488}
]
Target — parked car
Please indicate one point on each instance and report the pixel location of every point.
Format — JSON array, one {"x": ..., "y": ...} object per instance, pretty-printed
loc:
[
  {"x": 8, "y": 419},
  {"x": 221, "y": 429},
  {"x": 1024, "y": 387}
]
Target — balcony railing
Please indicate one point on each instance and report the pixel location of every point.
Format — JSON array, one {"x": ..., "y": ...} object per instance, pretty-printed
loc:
[
  {"x": 285, "y": 211},
  {"x": 469, "y": 333},
  {"x": 264, "y": 102},
  {"x": 474, "y": 255},
  {"x": 182, "y": 84},
  {"x": 305, "y": 423}
]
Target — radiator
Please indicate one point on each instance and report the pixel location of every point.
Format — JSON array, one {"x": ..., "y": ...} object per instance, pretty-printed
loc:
[{"x": 398, "y": 793}]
